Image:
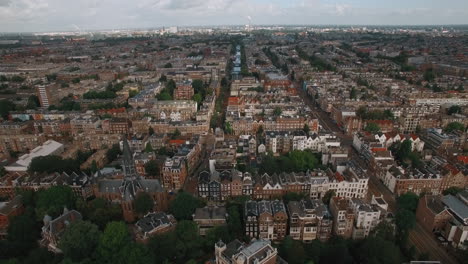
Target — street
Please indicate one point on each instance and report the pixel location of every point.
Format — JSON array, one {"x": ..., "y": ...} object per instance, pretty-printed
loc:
[{"x": 422, "y": 240}]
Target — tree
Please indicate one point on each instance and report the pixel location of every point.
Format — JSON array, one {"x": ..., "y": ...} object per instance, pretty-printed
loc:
[
  {"x": 384, "y": 230},
  {"x": 429, "y": 75},
  {"x": 168, "y": 65},
  {"x": 53, "y": 163},
  {"x": 454, "y": 109},
  {"x": 135, "y": 253},
  {"x": 113, "y": 152},
  {"x": 100, "y": 211},
  {"x": 328, "y": 196},
  {"x": 79, "y": 240},
  {"x": 215, "y": 234},
  {"x": 188, "y": 241},
  {"x": 143, "y": 203},
  {"x": 234, "y": 221},
  {"x": 184, "y": 205},
  {"x": 405, "y": 220},
  {"x": 22, "y": 234},
  {"x": 94, "y": 167},
  {"x": 372, "y": 128},
  {"x": 408, "y": 201},
  {"x": 5, "y": 108},
  {"x": 176, "y": 134},
  {"x": 353, "y": 93},
  {"x": 292, "y": 196},
  {"x": 306, "y": 129},
  {"x": 197, "y": 98},
  {"x": 3, "y": 172},
  {"x": 292, "y": 251},
  {"x": 377, "y": 250},
  {"x": 150, "y": 131},
  {"x": 454, "y": 126},
  {"x": 164, "y": 96},
  {"x": 452, "y": 191},
  {"x": 53, "y": 200},
  {"x": 112, "y": 243},
  {"x": 198, "y": 86},
  {"x": 152, "y": 168},
  {"x": 148, "y": 148},
  {"x": 277, "y": 111},
  {"x": 33, "y": 102},
  {"x": 404, "y": 151},
  {"x": 163, "y": 78}
]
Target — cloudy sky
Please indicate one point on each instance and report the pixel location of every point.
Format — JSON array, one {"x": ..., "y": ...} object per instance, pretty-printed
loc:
[{"x": 58, "y": 15}]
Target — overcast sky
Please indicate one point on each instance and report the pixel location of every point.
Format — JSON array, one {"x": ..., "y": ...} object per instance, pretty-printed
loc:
[{"x": 61, "y": 15}]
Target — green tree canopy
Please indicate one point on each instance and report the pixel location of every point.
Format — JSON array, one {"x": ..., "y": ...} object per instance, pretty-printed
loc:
[
  {"x": 306, "y": 129},
  {"x": 454, "y": 126},
  {"x": 292, "y": 251},
  {"x": 277, "y": 111},
  {"x": 53, "y": 200},
  {"x": 5, "y": 108},
  {"x": 372, "y": 128},
  {"x": 113, "y": 152},
  {"x": 408, "y": 201},
  {"x": 100, "y": 211},
  {"x": 452, "y": 190},
  {"x": 184, "y": 205},
  {"x": 22, "y": 235},
  {"x": 152, "y": 168},
  {"x": 79, "y": 240},
  {"x": 112, "y": 243},
  {"x": 454, "y": 109},
  {"x": 143, "y": 203},
  {"x": 148, "y": 148}
]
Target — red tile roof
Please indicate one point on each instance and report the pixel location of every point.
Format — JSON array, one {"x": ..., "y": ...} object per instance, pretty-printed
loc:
[{"x": 463, "y": 159}]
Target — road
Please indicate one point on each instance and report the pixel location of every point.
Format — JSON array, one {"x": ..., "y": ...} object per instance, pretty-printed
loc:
[
  {"x": 426, "y": 243},
  {"x": 324, "y": 118},
  {"x": 423, "y": 241}
]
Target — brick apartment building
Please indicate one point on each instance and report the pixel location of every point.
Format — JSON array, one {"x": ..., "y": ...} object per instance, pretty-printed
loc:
[{"x": 183, "y": 91}]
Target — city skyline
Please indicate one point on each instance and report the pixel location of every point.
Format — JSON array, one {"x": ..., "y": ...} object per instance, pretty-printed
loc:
[{"x": 54, "y": 15}]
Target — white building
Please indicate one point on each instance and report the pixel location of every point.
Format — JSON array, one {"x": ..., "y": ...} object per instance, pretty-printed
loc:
[
  {"x": 50, "y": 147},
  {"x": 366, "y": 218}
]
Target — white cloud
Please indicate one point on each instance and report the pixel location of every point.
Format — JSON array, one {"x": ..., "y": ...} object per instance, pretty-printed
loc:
[{"x": 45, "y": 15}]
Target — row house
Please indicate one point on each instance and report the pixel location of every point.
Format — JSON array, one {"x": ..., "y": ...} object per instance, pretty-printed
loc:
[
  {"x": 390, "y": 138},
  {"x": 352, "y": 182},
  {"x": 80, "y": 183},
  {"x": 174, "y": 173},
  {"x": 424, "y": 180},
  {"x": 366, "y": 217},
  {"x": 19, "y": 143},
  {"x": 176, "y": 110},
  {"x": 84, "y": 125},
  {"x": 316, "y": 142},
  {"x": 219, "y": 186},
  {"x": 52, "y": 128},
  {"x": 185, "y": 128},
  {"x": 265, "y": 219},
  {"x": 309, "y": 220},
  {"x": 15, "y": 128},
  {"x": 343, "y": 217},
  {"x": 183, "y": 91},
  {"x": 117, "y": 126},
  {"x": 97, "y": 141},
  {"x": 191, "y": 152}
]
